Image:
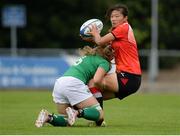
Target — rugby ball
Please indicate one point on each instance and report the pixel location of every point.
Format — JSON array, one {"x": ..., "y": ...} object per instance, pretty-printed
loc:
[{"x": 86, "y": 27}]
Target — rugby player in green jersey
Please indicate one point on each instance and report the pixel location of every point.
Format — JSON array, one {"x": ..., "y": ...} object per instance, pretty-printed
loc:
[{"x": 71, "y": 93}]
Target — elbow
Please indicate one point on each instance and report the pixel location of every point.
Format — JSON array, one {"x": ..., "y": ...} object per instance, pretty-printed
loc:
[{"x": 97, "y": 83}]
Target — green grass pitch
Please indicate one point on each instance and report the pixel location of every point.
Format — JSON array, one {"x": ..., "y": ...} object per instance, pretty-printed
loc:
[{"x": 137, "y": 114}]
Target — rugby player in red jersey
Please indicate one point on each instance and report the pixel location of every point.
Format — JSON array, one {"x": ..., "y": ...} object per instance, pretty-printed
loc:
[{"x": 126, "y": 79}]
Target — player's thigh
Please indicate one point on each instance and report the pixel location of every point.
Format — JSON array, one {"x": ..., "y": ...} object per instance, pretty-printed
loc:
[{"x": 110, "y": 82}]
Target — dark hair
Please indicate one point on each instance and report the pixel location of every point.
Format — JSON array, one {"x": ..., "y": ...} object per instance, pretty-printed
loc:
[{"x": 120, "y": 7}]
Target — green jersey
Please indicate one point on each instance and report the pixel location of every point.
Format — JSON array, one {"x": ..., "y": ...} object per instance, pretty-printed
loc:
[{"x": 85, "y": 68}]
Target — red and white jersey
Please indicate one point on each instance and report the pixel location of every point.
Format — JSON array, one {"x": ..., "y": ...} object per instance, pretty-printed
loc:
[{"x": 125, "y": 47}]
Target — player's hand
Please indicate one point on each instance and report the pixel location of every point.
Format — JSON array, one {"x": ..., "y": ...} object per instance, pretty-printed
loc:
[
  {"x": 88, "y": 39},
  {"x": 93, "y": 30}
]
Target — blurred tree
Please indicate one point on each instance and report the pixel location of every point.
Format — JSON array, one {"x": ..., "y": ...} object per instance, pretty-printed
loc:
[
  {"x": 56, "y": 23},
  {"x": 169, "y": 24}
]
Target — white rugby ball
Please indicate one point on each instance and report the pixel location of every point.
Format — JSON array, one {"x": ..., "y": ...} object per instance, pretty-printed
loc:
[{"x": 85, "y": 28}]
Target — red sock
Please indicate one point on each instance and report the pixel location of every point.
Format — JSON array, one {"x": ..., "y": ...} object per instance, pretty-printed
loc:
[{"x": 95, "y": 91}]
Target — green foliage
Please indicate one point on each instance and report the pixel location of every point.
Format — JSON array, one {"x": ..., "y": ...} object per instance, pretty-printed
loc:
[
  {"x": 169, "y": 20},
  {"x": 168, "y": 63},
  {"x": 55, "y": 24}
]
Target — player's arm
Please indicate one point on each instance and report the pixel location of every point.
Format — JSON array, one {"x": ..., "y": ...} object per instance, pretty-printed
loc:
[
  {"x": 98, "y": 77},
  {"x": 101, "y": 40}
]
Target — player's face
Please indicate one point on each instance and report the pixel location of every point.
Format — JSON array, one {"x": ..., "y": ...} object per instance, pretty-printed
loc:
[{"x": 117, "y": 18}]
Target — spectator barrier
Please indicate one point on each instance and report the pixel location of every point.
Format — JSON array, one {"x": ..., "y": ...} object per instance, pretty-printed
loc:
[{"x": 31, "y": 72}]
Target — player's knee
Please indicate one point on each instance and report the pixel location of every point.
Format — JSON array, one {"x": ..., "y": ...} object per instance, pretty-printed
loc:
[{"x": 94, "y": 113}]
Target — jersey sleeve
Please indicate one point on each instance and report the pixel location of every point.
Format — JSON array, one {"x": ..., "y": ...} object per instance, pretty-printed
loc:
[{"x": 105, "y": 65}]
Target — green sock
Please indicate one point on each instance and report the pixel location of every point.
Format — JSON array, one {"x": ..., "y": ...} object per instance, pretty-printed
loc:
[
  {"x": 91, "y": 113},
  {"x": 58, "y": 120}
]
